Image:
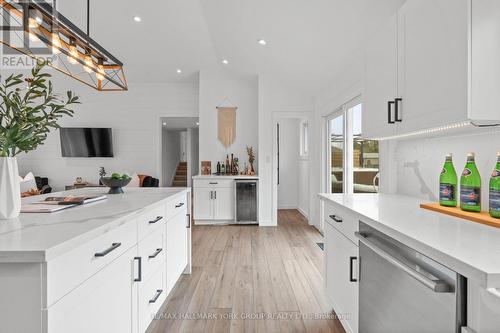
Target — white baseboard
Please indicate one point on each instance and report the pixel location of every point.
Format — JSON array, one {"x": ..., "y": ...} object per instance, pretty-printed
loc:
[
  {"x": 303, "y": 212},
  {"x": 287, "y": 207}
]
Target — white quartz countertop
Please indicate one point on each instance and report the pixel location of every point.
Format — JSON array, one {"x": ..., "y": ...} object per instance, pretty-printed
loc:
[
  {"x": 40, "y": 237},
  {"x": 468, "y": 248},
  {"x": 225, "y": 177}
]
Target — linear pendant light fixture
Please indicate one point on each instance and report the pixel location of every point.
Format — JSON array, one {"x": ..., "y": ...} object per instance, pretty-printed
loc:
[{"x": 71, "y": 51}]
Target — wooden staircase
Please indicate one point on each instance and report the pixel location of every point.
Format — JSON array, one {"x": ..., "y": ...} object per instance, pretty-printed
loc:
[{"x": 180, "y": 179}]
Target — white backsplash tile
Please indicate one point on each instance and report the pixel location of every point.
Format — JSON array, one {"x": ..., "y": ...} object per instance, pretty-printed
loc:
[{"x": 419, "y": 161}]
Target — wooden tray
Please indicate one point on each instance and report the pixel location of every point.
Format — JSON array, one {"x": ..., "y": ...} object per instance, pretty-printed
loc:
[{"x": 482, "y": 217}]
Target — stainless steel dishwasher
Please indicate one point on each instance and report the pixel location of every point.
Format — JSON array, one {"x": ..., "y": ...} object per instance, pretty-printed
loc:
[
  {"x": 247, "y": 204},
  {"x": 401, "y": 290}
]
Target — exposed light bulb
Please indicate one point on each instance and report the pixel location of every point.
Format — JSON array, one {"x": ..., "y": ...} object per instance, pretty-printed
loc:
[
  {"x": 73, "y": 52},
  {"x": 56, "y": 43},
  {"x": 100, "y": 70},
  {"x": 89, "y": 64}
]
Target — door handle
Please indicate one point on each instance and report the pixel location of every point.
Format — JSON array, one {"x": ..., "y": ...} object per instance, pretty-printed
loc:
[
  {"x": 139, "y": 269},
  {"x": 158, "y": 218},
  {"x": 157, "y": 295},
  {"x": 335, "y": 218},
  {"x": 157, "y": 252},
  {"x": 436, "y": 285},
  {"x": 397, "y": 117},
  {"x": 113, "y": 247},
  {"x": 351, "y": 278},
  {"x": 389, "y": 112}
]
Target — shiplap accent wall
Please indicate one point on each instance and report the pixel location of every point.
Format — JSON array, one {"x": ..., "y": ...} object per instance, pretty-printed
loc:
[{"x": 134, "y": 117}]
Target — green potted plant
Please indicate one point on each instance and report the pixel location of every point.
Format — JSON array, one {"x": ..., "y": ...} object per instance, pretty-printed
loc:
[{"x": 29, "y": 110}]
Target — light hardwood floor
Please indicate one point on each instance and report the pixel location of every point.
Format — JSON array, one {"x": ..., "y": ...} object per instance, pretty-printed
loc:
[{"x": 242, "y": 272}]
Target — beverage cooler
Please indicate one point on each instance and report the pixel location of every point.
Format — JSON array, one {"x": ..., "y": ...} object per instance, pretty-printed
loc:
[{"x": 247, "y": 210}]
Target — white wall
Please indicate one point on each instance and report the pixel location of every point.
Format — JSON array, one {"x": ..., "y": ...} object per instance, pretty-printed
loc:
[
  {"x": 134, "y": 118},
  {"x": 289, "y": 177},
  {"x": 171, "y": 155},
  {"x": 194, "y": 151},
  {"x": 419, "y": 161},
  {"x": 304, "y": 187},
  {"x": 215, "y": 87}
]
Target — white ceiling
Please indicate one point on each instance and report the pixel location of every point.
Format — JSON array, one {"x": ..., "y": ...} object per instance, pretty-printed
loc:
[{"x": 308, "y": 40}]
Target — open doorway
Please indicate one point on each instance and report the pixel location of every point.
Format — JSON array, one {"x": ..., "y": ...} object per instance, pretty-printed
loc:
[
  {"x": 179, "y": 151},
  {"x": 291, "y": 164}
]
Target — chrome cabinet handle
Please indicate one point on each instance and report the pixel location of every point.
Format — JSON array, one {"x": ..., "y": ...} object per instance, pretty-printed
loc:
[
  {"x": 179, "y": 205},
  {"x": 113, "y": 247},
  {"x": 215, "y": 195},
  {"x": 139, "y": 270},
  {"x": 438, "y": 286},
  {"x": 351, "y": 278},
  {"x": 157, "y": 252},
  {"x": 335, "y": 218},
  {"x": 494, "y": 292},
  {"x": 211, "y": 195},
  {"x": 213, "y": 183},
  {"x": 157, "y": 295},
  {"x": 158, "y": 218}
]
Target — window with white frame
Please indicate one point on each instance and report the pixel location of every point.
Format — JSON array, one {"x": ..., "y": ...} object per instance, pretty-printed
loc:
[
  {"x": 352, "y": 161},
  {"x": 304, "y": 139}
]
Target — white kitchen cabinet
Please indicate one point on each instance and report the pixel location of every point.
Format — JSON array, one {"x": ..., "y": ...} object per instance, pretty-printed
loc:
[
  {"x": 203, "y": 204},
  {"x": 446, "y": 70},
  {"x": 224, "y": 203},
  {"x": 483, "y": 308},
  {"x": 177, "y": 248},
  {"x": 104, "y": 303},
  {"x": 214, "y": 201},
  {"x": 341, "y": 276},
  {"x": 381, "y": 82},
  {"x": 433, "y": 62}
]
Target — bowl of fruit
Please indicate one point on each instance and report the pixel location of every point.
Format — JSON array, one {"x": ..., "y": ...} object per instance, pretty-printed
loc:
[{"x": 116, "y": 182}]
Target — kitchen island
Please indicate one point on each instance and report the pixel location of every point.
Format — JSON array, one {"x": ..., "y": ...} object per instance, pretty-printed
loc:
[
  {"x": 101, "y": 267},
  {"x": 470, "y": 249}
]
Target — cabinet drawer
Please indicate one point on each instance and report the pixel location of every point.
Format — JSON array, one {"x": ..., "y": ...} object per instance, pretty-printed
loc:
[
  {"x": 151, "y": 295},
  {"x": 151, "y": 220},
  {"x": 66, "y": 272},
  {"x": 213, "y": 183},
  {"x": 152, "y": 251},
  {"x": 176, "y": 205},
  {"x": 343, "y": 220}
]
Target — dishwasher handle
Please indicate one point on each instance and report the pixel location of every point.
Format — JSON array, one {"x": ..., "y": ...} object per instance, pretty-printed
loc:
[{"x": 438, "y": 286}]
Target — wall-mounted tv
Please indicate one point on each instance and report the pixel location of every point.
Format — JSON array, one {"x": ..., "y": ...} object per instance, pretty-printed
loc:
[{"x": 86, "y": 142}]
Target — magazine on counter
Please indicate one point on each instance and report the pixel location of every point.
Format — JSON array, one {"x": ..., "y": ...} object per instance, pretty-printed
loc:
[
  {"x": 54, "y": 204},
  {"x": 71, "y": 200}
]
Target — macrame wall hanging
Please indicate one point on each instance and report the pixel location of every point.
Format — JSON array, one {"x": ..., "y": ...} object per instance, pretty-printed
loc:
[{"x": 226, "y": 124}]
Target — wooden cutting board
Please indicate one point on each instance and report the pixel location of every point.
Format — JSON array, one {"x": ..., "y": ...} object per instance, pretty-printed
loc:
[{"x": 482, "y": 217}]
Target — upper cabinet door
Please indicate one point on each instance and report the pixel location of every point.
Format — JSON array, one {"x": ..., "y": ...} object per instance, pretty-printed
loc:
[
  {"x": 432, "y": 63},
  {"x": 380, "y": 81}
]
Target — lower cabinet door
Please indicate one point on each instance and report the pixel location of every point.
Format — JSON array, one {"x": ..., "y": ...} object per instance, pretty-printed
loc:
[
  {"x": 105, "y": 303},
  {"x": 151, "y": 295},
  {"x": 203, "y": 203},
  {"x": 483, "y": 308},
  {"x": 224, "y": 204},
  {"x": 177, "y": 248},
  {"x": 341, "y": 276}
]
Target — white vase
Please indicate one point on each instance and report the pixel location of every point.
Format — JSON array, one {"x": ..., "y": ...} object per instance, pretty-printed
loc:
[{"x": 10, "y": 193}]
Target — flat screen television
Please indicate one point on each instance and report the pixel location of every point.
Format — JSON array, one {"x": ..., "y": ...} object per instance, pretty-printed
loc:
[{"x": 86, "y": 142}]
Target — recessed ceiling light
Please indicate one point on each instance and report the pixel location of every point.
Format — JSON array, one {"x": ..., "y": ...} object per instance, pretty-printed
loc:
[
  {"x": 179, "y": 71},
  {"x": 197, "y": 124},
  {"x": 164, "y": 124},
  {"x": 262, "y": 42},
  {"x": 137, "y": 19},
  {"x": 225, "y": 61}
]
